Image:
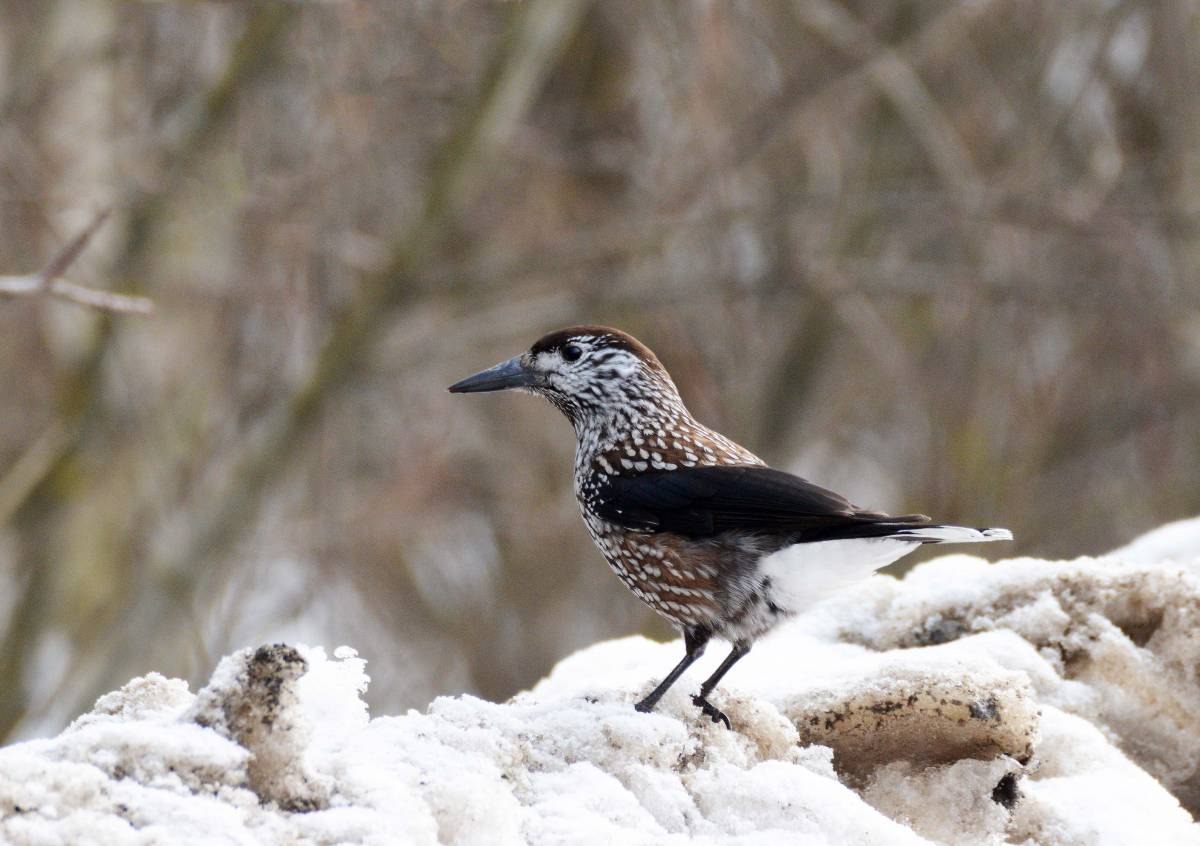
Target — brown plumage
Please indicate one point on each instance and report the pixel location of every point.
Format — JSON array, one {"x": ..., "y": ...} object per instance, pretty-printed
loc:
[{"x": 698, "y": 527}]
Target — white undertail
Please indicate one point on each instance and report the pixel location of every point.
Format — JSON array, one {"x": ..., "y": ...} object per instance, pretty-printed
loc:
[
  {"x": 803, "y": 574},
  {"x": 954, "y": 534}
]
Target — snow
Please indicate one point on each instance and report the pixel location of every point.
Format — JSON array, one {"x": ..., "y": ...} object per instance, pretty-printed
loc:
[
  {"x": 1022, "y": 702},
  {"x": 1177, "y": 542}
]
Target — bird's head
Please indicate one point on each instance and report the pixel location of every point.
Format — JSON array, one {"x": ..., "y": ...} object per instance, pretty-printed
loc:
[{"x": 591, "y": 373}]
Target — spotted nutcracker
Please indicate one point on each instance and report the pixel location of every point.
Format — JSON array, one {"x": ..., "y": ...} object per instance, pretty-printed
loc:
[{"x": 698, "y": 527}]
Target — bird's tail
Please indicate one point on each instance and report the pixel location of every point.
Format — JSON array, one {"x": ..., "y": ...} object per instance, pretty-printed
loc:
[{"x": 952, "y": 534}]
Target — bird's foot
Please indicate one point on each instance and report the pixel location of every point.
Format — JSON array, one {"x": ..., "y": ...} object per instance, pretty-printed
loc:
[{"x": 711, "y": 711}]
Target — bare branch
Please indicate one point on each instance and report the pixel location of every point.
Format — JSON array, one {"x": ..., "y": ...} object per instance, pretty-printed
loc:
[{"x": 47, "y": 281}]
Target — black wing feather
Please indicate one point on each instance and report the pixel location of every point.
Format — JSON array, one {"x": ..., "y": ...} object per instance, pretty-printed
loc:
[{"x": 707, "y": 501}]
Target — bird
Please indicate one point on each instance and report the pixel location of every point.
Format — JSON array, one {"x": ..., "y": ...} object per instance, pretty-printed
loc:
[{"x": 698, "y": 527}]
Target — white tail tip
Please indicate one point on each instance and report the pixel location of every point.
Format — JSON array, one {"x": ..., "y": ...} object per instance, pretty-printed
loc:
[{"x": 954, "y": 534}]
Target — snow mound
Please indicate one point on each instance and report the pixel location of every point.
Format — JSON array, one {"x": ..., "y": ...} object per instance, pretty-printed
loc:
[
  {"x": 1117, "y": 644},
  {"x": 1025, "y": 702},
  {"x": 253, "y": 700}
]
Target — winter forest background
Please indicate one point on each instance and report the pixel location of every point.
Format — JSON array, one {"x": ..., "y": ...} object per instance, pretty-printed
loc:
[{"x": 939, "y": 255}]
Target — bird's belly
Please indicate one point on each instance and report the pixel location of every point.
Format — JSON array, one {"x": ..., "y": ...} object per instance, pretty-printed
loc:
[
  {"x": 731, "y": 584},
  {"x": 675, "y": 577}
]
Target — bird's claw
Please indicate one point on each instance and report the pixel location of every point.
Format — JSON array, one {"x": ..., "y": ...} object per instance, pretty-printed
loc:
[{"x": 711, "y": 711}]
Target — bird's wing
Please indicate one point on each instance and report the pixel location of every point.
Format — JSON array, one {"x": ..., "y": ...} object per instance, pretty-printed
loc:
[{"x": 706, "y": 501}]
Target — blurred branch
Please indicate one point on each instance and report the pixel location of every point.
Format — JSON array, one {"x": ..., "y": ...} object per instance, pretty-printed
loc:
[
  {"x": 33, "y": 465},
  {"x": 755, "y": 134},
  {"x": 48, "y": 282},
  {"x": 539, "y": 33},
  {"x": 899, "y": 82}
]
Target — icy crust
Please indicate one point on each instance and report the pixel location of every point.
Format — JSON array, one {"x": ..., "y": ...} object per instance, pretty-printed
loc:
[
  {"x": 921, "y": 716},
  {"x": 1025, "y": 702}
]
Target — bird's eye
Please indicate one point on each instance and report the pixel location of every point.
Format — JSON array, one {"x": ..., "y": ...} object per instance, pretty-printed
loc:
[{"x": 571, "y": 353}]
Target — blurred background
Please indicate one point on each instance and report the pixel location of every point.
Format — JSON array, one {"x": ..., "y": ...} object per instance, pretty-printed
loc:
[{"x": 941, "y": 256}]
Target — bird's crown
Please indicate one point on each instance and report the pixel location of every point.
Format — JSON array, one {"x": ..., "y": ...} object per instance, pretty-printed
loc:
[{"x": 588, "y": 370}]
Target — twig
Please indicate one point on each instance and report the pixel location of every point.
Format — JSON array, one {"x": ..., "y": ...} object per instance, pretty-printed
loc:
[
  {"x": 16, "y": 286},
  {"x": 47, "y": 281},
  {"x": 67, "y": 255}
]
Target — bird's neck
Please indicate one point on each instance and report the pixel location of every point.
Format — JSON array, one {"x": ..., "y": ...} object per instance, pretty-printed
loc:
[
  {"x": 640, "y": 437},
  {"x": 641, "y": 416}
]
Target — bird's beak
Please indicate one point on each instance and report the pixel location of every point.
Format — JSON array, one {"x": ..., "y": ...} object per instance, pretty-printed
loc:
[{"x": 505, "y": 375}]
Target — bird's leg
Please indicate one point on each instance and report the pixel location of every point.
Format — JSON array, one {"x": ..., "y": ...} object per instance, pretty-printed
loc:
[
  {"x": 700, "y": 700},
  {"x": 695, "y": 639}
]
